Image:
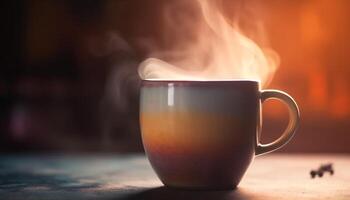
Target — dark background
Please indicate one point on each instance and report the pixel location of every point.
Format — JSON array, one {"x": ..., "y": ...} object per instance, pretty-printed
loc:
[{"x": 69, "y": 83}]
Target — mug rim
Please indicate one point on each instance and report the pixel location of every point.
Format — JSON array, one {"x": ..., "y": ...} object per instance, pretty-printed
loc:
[{"x": 155, "y": 82}]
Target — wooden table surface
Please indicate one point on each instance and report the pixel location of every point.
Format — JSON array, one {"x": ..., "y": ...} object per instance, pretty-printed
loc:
[{"x": 274, "y": 176}]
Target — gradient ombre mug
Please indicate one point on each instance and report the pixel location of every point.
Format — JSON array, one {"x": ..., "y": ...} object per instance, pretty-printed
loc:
[{"x": 204, "y": 134}]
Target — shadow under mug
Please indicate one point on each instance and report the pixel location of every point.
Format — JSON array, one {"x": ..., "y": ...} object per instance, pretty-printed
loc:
[{"x": 204, "y": 134}]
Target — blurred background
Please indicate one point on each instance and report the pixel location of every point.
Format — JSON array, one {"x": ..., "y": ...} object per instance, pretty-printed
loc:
[{"x": 69, "y": 82}]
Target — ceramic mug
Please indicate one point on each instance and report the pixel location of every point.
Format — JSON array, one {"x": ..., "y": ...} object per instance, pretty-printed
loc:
[{"x": 204, "y": 134}]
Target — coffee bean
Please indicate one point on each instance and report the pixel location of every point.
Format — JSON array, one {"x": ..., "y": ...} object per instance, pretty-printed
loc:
[
  {"x": 323, "y": 168},
  {"x": 313, "y": 173}
]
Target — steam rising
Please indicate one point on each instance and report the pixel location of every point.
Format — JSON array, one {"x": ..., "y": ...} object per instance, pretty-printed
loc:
[{"x": 217, "y": 50}]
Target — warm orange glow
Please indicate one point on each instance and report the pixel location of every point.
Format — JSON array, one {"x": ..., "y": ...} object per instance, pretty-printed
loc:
[
  {"x": 315, "y": 62},
  {"x": 318, "y": 90},
  {"x": 311, "y": 24},
  {"x": 340, "y": 100}
]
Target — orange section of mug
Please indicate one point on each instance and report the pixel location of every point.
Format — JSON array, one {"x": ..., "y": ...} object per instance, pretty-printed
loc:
[
  {"x": 194, "y": 131},
  {"x": 198, "y": 149}
]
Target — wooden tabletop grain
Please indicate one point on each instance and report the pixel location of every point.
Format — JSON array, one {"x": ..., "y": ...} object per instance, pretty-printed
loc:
[{"x": 274, "y": 176}]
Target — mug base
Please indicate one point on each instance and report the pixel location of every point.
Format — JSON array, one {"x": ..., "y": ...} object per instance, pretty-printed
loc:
[{"x": 198, "y": 188}]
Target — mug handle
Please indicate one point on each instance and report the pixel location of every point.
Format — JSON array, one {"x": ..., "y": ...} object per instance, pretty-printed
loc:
[{"x": 294, "y": 119}]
